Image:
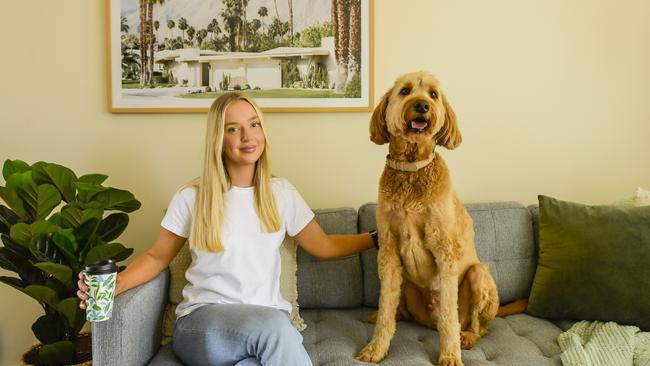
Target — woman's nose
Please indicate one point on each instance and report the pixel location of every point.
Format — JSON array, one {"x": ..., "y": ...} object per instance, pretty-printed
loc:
[{"x": 244, "y": 135}]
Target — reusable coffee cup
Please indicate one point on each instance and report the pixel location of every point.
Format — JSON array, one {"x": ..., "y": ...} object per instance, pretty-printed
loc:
[{"x": 100, "y": 278}]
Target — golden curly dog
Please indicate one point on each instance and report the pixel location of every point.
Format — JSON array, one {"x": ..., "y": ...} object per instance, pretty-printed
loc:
[{"x": 427, "y": 262}]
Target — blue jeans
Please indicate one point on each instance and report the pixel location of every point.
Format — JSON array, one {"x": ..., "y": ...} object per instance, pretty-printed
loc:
[{"x": 219, "y": 335}]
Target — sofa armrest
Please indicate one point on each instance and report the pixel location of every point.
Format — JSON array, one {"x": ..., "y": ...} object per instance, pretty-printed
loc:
[{"x": 132, "y": 336}]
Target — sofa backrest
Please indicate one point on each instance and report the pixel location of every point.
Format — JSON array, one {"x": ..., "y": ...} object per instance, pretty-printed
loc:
[
  {"x": 504, "y": 241},
  {"x": 336, "y": 283}
]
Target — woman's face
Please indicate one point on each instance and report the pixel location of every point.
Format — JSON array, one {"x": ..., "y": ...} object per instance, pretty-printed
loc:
[{"x": 243, "y": 139}]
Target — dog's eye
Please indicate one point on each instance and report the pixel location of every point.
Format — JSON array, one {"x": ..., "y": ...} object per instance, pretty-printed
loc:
[
  {"x": 405, "y": 91},
  {"x": 434, "y": 95}
]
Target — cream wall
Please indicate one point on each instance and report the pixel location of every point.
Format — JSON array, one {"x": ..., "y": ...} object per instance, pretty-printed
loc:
[{"x": 552, "y": 97}]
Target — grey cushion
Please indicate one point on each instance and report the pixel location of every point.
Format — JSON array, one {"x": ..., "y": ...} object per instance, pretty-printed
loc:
[
  {"x": 319, "y": 282},
  {"x": 504, "y": 241},
  {"x": 333, "y": 337},
  {"x": 166, "y": 357},
  {"x": 132, "y": 335}
]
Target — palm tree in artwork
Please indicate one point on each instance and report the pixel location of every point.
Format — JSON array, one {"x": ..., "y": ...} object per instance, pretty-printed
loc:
[
  {"x": 290, "y": 22},
  {"x": 354, "y": 50},
  {"x": 200, "y": 36},
  {"x": 340, "y": 24},
  {"x": 156, "y": 25},
  {"x": 232, "y": 23},
  {"x": 151, "y": 39},
  {"x": 124, "y": 25},
  {"x": 171, "y": 24},
  {"x": 263, "y": 12},
  {"x": 143, "y": 43},
  {"x": 244, "y": 24},
  {"x": 191, "y": 32},
  {"x": 182, "y": 25}
]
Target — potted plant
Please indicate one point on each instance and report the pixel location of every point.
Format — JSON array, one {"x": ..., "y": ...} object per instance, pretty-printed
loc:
[{"x": 53, "y": 224}]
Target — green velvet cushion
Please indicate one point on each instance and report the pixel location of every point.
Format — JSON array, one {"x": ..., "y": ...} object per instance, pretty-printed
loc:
[{"x": 594, "y": 263}]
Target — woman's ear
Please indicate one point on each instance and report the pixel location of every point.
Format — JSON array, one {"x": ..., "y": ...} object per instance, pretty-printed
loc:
[
  {"x": 449, "y": 135},
  {"x": 378, "y": 130}
]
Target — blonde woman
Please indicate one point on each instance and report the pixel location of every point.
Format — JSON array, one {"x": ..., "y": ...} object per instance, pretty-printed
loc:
[{"x": 235, "y": 216}]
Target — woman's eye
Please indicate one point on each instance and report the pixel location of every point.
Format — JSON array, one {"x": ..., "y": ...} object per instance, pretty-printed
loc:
[
  {"x": 405, "y": 91},
  {"x": 233, "y": 130},
  {"x": 434, "y": 95},
  {"x": 255, "y": 124}
]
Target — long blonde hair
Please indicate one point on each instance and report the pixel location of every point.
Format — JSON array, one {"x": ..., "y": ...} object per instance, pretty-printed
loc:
[{"x": 214, "y": 182}]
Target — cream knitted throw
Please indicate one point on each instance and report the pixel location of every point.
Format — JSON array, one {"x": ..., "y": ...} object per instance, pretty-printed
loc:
[{"x": 604, "y": 344}]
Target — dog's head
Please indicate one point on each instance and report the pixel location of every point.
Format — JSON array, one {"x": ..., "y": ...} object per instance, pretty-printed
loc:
[{"x": 416, "y": 110}]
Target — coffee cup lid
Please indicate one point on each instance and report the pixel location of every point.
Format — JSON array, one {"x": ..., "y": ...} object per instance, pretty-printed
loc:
[{"x": 101, "y": 267}]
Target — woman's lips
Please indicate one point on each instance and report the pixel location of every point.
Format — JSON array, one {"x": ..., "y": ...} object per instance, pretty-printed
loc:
[{"x": 247, "y": 149}]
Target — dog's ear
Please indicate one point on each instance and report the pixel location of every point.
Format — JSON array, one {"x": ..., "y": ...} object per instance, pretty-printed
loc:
[
  {"x": 378, "y": 129},
  {"x": 449, "y": 135}
]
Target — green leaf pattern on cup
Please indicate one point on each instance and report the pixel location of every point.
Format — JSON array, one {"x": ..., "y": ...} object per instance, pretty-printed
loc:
[{"x": 100, "y": 304}]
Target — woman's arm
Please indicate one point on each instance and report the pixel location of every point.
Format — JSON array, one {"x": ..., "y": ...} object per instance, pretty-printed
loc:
[
  {"x": 150, "y": 263},
  {"x": 145, "y": 267},
  {"x": 313, "y": 239}
]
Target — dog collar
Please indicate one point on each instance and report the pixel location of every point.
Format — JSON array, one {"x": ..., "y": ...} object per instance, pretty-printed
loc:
[{"x": 410, "y": 167}]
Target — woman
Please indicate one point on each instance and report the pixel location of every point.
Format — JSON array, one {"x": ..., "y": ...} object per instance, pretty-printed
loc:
[{"x": 235, "y": 216}]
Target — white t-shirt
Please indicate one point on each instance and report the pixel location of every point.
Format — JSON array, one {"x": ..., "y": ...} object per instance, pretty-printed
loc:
[{"x": 247, "y": 271}]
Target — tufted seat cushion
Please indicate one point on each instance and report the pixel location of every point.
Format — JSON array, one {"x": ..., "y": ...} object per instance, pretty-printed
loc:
[{"x": 333, "y": 337}]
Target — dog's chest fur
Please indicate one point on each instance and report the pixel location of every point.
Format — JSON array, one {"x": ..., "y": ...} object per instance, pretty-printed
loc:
[{"x": 406, "y": 203}]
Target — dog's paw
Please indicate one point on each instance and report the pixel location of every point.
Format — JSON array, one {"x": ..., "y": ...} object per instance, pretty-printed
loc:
[
  {"x": 468, "y": 340},
  {"x": 450, "y": 361},
  {"x": 372, "y": 353},
  {"x": 372, "y": 318}
]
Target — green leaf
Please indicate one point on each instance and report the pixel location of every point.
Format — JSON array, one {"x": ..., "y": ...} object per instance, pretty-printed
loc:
[
  {"x": 67, "y": 246},
  {"x": 88, "y": 190},
  {"x": 19, "y": 264},
  {"x": 13, "y": 166},
  {"x": 21, "y": 234},
  {"x": 25, "y": 188},
  {"x": 118, "y": 199},
  {"x": 45, "y": 250},
  {"x": 48, "y": 199},
  {"x": 64, "y": 179},
  {"x": 97, "y": 179},
  {"x": 71, "y": 216},
  {"x": 49, "y": 328},
  {"x": 60, "y": 351},
  {"x": 16, "y": 203},
  {"x": 115, "y": 251},
  {"x": 86, "y": 230},
  {"x": 41, "y": 227},
  {"x": 113, "y": 226},
  {"x": 75, "y": 316},
  {"x": 14, "y": 282},
  {"x": 42, "y": 294},
  {"x": 8, "y": 218},
  {"x": 61, "y": 272},
  {"x": 16, "y": 247},
  {"x": 62, "y": 291}
]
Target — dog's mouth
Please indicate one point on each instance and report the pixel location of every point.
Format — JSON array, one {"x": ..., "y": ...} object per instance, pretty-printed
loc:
[{"x": 419, "y": 124}]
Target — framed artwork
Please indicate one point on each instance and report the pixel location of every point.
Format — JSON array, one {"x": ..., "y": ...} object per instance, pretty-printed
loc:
[{"x": 289, "y": 55}]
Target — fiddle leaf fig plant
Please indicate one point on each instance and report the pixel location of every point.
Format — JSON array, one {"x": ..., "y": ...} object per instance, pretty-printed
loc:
[{"x": 54, "y": 223}]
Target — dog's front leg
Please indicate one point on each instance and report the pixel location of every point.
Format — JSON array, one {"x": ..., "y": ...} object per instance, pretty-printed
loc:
[
  {"x": 448, "y": 324},
  {"x": 390, "y": 276}
]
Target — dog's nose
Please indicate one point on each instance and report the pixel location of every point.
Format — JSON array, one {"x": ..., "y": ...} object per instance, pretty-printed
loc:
[{"x": 421, "y": 106}]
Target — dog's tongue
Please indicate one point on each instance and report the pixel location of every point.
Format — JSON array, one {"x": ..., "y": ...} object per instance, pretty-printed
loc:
[{"x": 418, "y": 125}]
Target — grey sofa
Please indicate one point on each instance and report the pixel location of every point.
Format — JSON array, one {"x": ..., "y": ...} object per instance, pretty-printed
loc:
[{"x": 336, "y": 297}]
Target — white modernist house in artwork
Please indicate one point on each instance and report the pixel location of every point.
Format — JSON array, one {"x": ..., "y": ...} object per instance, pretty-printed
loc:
[{"x": 196, "y": 68}]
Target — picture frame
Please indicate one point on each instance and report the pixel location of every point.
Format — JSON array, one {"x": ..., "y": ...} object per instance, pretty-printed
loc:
[{"x": 290, "y": 56}]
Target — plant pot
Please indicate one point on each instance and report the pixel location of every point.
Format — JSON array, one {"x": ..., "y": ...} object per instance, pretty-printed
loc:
[{"x": 83, "y": 354}]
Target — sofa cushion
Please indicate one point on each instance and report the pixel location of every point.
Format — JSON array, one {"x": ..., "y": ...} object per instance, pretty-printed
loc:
[
  {"x": 593, "y": 263},
  {"x": 333, "y": 337},
  {"x": 503, "y": 239},
  {"x": 319, "y": 282}
]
